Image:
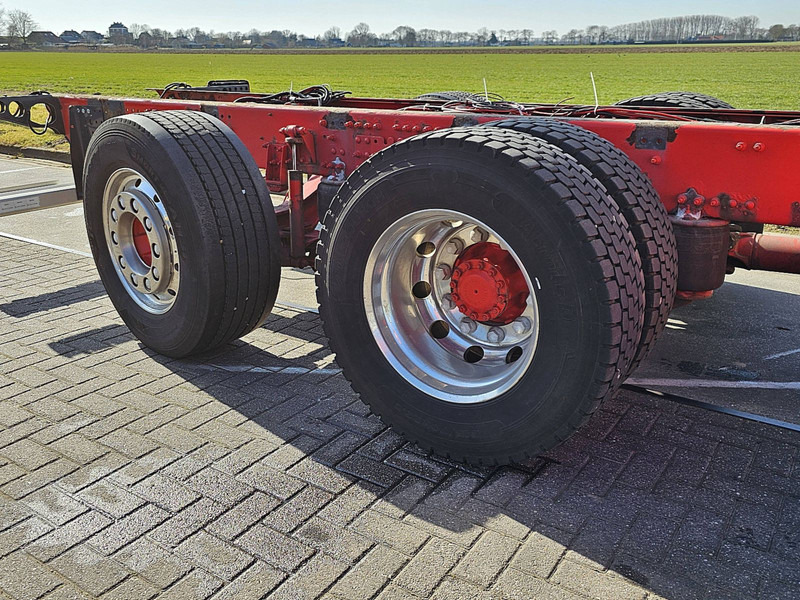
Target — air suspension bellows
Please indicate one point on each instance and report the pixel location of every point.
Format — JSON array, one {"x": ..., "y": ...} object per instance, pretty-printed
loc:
[{"x": 702, "y": 255}]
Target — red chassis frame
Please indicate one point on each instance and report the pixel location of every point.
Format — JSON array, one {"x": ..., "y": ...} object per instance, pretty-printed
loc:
[{"x": 734, "y": 165}]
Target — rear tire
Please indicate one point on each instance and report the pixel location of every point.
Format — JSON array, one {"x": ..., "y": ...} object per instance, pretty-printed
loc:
[
  {"x": 451, "y": 96},
  {"x": 639, "y": 202},
  {"x": 382, "y": 247},
  {"x": 182, "y": 229},
  {"x": 676, "y": 100}
]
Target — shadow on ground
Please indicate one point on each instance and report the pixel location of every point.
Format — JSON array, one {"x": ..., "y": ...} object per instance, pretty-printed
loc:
[{"x": 649, "y": 496}]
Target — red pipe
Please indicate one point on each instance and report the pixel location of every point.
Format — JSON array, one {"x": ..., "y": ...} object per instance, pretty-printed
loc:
[{"x": 767, "y": 252}]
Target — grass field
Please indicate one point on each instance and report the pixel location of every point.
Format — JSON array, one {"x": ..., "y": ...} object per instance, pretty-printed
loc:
[{"x": 743, "y": 78}]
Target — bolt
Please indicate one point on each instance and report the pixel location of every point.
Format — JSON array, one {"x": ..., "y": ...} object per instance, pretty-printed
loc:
[
  {"x": 416, "y": 129},
  {"x": 323, "y": 123},
  {"x": 758, "y": 147},
  {"x": 750, "y": 205},
  {"x": 656, "y": 160},
  {"x": 496, "y": 335},
  {"x": 714, "y": 201},
  {"x": 741, "y": 146},
  {"x": 377, "y": 126},
  {"x": 447, "y": 302},
  {"x": 521, "y": 325},
  {"x": 443, "y": 271},
  {"x": 468, "y": 325},
  {"x": 348, "y": 124},
  {"x": 682, "y": 199},
  {"x": 358, "y": 124},
  {"x": 698, "y": 201},
  {"x": 478, "y": 235},
  {"x": 454, "y": 246},
  {"x": 367, "y": 125},
  {"x": 732, "y": 203},
  {"x": 396, "y": 126},
  {"x": 406, "y": 128}
]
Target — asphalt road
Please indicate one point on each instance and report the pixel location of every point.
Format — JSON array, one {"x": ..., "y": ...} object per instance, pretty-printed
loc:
[{"x": 740, "y": 349}]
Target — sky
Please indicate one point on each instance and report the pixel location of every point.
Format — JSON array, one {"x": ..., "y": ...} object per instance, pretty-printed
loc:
[{"x": 313, "y": 17}]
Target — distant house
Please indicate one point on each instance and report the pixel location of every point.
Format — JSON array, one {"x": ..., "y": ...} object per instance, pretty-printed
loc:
[
  {"x": 44, "y": 38},
  {"x": 182, "y": 41},
  {"x": 336, "y": 43},
  {"x": 92, "y": 37},
  {"x": 71, "y": 36},
  {"x": 117, "y": 29},
  {"x": 146, "y": 40}
]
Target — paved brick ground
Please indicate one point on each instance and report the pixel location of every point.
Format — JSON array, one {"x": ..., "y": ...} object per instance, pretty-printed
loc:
[{"x": 258, "y": 473}]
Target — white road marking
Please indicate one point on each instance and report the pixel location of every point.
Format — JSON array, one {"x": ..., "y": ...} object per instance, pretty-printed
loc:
[
  {"x": 714, "y": 383},
  {"x": 782, "y": 354},
  {"x": 45, "y": 244},
  {"x": 20, "y": 170}
]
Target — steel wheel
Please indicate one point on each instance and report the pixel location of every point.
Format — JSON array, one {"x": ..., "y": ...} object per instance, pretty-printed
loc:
[
  {"x": 450, "y": 307},
  {"x": 141, "y": 241}
]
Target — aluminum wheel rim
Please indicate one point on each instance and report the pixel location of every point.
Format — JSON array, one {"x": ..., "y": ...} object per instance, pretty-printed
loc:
[
  {"x": 135, "y": 222},
  {"x": 407, "y": 328}
]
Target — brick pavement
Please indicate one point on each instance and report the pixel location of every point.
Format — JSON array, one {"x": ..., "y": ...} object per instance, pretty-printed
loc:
[{"x": 258, "y": 473}]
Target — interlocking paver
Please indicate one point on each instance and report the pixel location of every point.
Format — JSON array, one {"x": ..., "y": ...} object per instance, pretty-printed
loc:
[
  {"x": 25, "y": 578},
  {"x": 91, "y": 571},
  {"x": 124, "y": 474},
  {"x": 274, "y": 548}
]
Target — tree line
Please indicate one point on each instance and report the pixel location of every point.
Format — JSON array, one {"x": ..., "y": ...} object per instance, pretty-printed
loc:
[{"x": 18, "y": 24}]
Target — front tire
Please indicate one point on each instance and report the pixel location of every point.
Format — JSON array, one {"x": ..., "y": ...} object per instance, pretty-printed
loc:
[
  {"x": 469, "y": 379},
  {"x": 182, "y": 229}
]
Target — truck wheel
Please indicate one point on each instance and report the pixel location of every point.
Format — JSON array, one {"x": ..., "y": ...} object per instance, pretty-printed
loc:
[
  {"x": 639, "y": 202},
  {"x": 182, "y": 229},
  {"x": 450, "y": 96},
  {"x": 481, "y": 291},
  {"x": 676, "y": 100}
]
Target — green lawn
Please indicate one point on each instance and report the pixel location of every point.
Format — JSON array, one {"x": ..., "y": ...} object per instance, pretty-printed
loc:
[{"x": 745, "y": 79}]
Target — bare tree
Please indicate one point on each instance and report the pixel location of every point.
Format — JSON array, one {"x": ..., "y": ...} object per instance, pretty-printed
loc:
[
  {"x": 20, "y": 24},
  {"x": 333, "y": 33},
  {"x": 137, "y": 29},
  {"x": 361, "y": 36}
]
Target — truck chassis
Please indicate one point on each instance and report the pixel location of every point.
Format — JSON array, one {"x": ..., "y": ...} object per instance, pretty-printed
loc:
[{"x": 488, "y": 271}]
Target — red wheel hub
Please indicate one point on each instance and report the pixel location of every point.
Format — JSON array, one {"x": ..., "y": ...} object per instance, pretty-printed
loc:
[
  {"x": 141, "y": 243},
  {"x": 487, "y": 285}
]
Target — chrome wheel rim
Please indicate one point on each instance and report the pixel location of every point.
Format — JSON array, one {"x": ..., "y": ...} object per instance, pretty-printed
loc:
[
  {"x": 141, "y": 241},
  {"x": 418, "y": 327}
]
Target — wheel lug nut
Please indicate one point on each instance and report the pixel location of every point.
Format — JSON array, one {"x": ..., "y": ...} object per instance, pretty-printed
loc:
[
  {"x": 478, "y": 235},
  {"x": 467, "y": 325},
  {"x": 147, "y": 224},
  {"x": 155, "y": 274},
  {"x": 454, "y": 246},
  {"x": 496, "y": 335},
  {"x": 134, "y": 280},
  {"x": 447, "y": 302},
  {"x": 521, "y": 325},
  {"x": 122, "y": 262},
  {"x": 147, "y": 284},
  {"x": 443, "y": 271}
]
